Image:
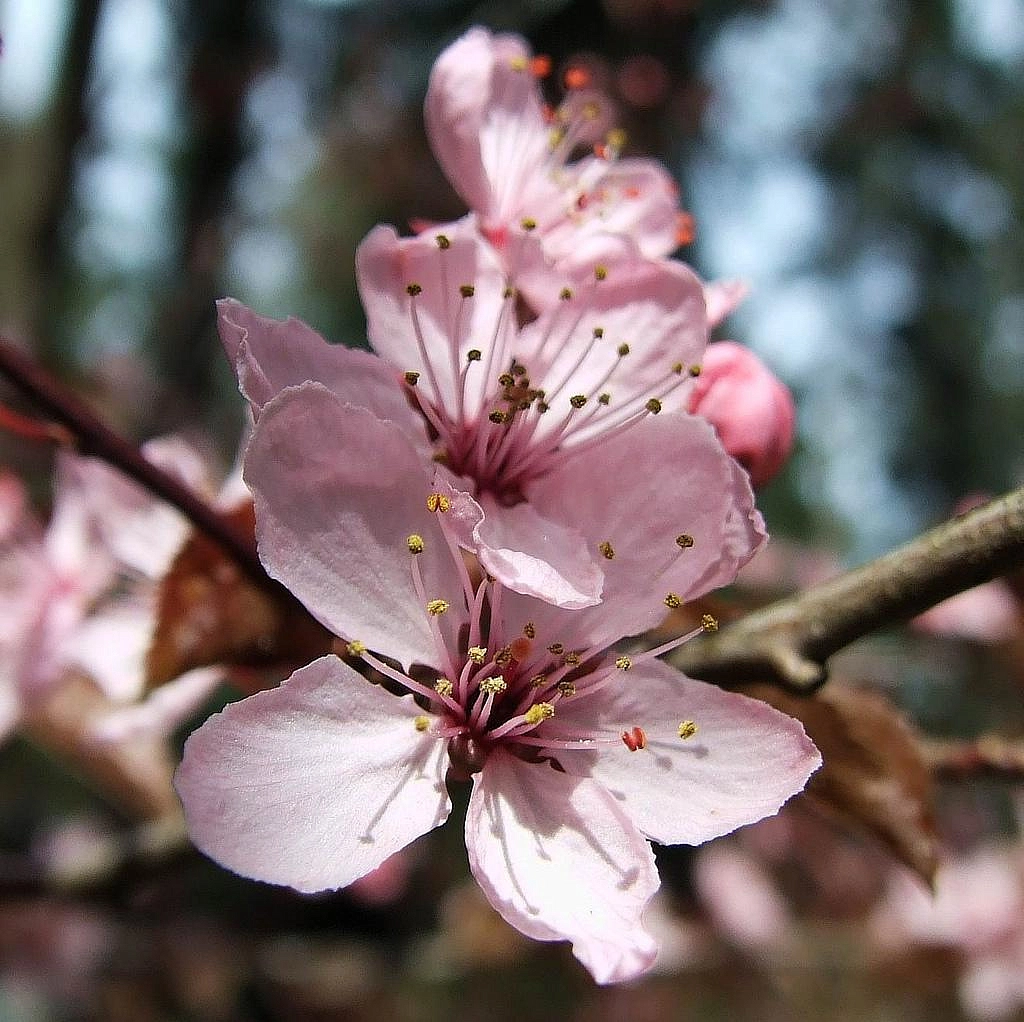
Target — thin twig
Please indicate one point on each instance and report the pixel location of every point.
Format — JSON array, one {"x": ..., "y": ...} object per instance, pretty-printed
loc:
[
  {"x": 93, "y": 437},
  {"x": 988, "y": 756},
  {"x": 789, "y": 642}
]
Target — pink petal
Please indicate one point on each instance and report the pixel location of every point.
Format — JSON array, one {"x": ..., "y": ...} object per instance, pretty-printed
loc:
[
  {"x": 449, "y": 325},
  {"x": 536, "y": 556},
  {"x": 558, "y": 858},
  {"x": 485, "y": 121},
  {"x": 745, "y": 760},
  {"x": 337, "y": 494},
  {"x": 654, "y": 306},
  {"x": 269, "y": 355},
  {"x": 639, "y": 491},
  {"x": 722, "y": 297},
  {"x": 312, "y": 784}
]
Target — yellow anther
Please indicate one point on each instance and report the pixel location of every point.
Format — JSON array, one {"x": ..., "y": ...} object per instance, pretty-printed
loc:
[
  {"x": 415, "y": 543},
  {"x": 623, "y": 663},
  {"x": 604, "y": 399},
  {"x": 413, "y": 289},
  {"x": 709, "y": 623},
  {"x": 444, "y": 686},
  {"x": 474, "y": 355},
  {"x": 443, "y": 242},
  {"x": 467, "y": 290},
  {"x": 687, "y": 729},
  {"x": 567, "y": 688},
  {"x": 565, "y": 294},
  {"x": 528, "y": 223},
  {"x": 578, "y": 400},
  {"x": 509, "y": 292},
  {"x": 607, "y": 550},
  {"x": 616, "y": 138},
  {"x": 598, "y": 333},
  {"x": 497, "y": 417},
  {"x": 493, "y": 686},
  {"x": 653, "y": 406},
  {"x": 421, "y": 722},
  {"x": 438, "y": 503},
  {"x": 477, "y": 654},
  {"x": 556, "y": 649},
  {"x": 678, "y": 368},
  {"x": 694, "y": 370},
  {"x": 572, "y": 659},
  {"x": 518, "y": 369},
  {"x": 623, "y": 350},
  {"x": 530, "y": 630},
  {"x": 355, "y": 648},
  {"x": 437, "y": 607},
  {"x": 412, "y": 378},
  {"x": 504, "y": 656},
  {"x": 684, "y": 541},
  {"x": 600, "y": 272},
  {"x": 672, "y": 601},
  {"x": 506, "y": 380},
  {"x": 538, "y": 681},
  {"x": 538, "y": 712},
  {"x": 542, "y": 407},
  {"x": 518, "y": 63}
]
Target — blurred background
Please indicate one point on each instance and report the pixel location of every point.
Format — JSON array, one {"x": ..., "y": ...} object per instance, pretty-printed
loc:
[{"x": 859, "y": 162}]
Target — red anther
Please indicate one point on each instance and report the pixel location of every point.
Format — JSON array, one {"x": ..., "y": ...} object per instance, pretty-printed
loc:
[
  {"x": 577, "y": 78},
  {"x": 635, "y": 739},
  {"x": 632, "y": 192},
  {"x": 601, "y": 151},
  {"x": 549, "y": 113},
  {"x": 686, "y": 228},
  {"x": 540, "y": 66},
  {"x": 582, "y": 201}
]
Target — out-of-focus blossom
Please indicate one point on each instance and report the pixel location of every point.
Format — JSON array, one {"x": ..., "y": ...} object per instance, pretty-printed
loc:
[
  {"x": 742, "y": 901},
  {"x": 751, "y": 408},
  {"x": 532, "y": 419},
  {"x": 577, "y": 755},
  {"x": 510, "y": 157},
  {"x": 987, "y": 613},
  {"x": 79, "y": 596},
  {"x": 977, "y": 909}
]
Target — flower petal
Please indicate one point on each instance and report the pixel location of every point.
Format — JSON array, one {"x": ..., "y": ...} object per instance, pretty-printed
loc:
[
  {"x": 269, "y": 355},
  {"x": 337, "y": 494},
  {"x": 558, "y": 858},
  {"x": 312, "y": 784},
  {"x": 535, "y": 556},
  {"x": 432, "y": 332},
  {"x": 742, "y": 763},
  {"x": 641, "y": 492}
]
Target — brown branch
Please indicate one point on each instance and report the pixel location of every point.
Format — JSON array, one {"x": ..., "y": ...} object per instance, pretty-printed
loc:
[
  {"x": 790, "y": 641},
  {"x": 93, "y": 437},
  {"x": 988, "y": 756}
]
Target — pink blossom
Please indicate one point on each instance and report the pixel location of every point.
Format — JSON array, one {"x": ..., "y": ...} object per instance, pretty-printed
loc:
[
  {"x": 80, "y": 595},
  {"x": 577, "y": 756},
  {"x": 525, "y": 418},
  {"x": 510, "y": 158},
  {"x": 750, "y": 407}
]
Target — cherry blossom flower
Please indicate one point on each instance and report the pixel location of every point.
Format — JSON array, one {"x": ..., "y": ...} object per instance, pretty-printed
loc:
[
  {"x": 522, "y": 417},
  {"x": 509, "y": 157},
  {"x": 80, "y": 595},
  {"x": 750, "y": 408},
  {"x": 577, "y": 753}
]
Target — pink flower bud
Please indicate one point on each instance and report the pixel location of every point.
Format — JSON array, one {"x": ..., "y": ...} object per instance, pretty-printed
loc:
[{"x": 751, "y": 409}]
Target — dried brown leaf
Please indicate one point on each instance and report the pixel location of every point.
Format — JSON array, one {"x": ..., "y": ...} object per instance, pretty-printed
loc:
[
  {"x": 209, "y": 612},
  {"x": 874, "y": 774}
]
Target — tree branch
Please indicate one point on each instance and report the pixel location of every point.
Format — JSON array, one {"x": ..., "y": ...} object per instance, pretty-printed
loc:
[
  {"x": 93, "y": 437},
  {"x": 789, "y": 642}
]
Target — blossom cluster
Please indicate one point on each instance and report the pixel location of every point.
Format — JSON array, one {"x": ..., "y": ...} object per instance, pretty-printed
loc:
[{"x": 481, "y": 510}]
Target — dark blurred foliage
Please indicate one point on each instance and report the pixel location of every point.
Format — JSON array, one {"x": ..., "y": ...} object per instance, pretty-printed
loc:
[{"x": 204, "y": 147}]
